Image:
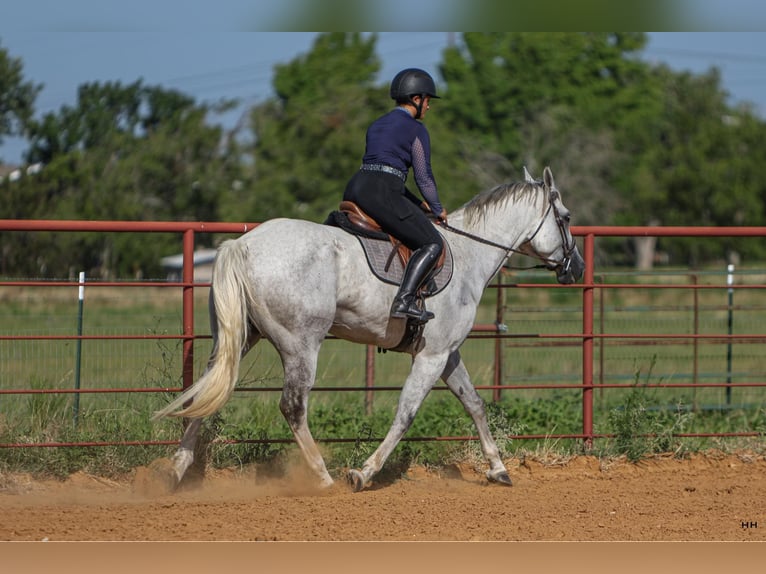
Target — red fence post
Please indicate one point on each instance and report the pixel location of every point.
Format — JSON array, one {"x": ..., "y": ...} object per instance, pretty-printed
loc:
[
  {"x": 188, "y": 308},
  {"x": 587, "y": 343},
  {"x": 695, "y": 342},
  {"x": 497, "y": 379}
]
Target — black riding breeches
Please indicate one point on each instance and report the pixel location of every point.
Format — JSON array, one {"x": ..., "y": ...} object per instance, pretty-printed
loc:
[{"x": 384, "y": 198}]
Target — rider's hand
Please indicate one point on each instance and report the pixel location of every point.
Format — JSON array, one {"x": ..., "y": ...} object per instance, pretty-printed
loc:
[{"x": 442, "y": 216}]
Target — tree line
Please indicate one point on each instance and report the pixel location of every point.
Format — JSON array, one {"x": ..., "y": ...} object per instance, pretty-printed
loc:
[{"x": 631, "y": 143}]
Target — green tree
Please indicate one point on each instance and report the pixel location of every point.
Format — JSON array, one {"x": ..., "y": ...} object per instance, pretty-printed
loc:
[
  {"x": 533, "y": 99},
  {"x": 697, "y": 166},
  {"x": 500, "y": 81},
  {"x": 310, "y": 138},
  {"x": 17, "y": 96},
  {"x": 123, "y": 152},
  {"x": 630, "y": 143}
]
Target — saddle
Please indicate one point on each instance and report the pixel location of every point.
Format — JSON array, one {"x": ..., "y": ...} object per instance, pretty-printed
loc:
[
  {"x": 366, "y": 225},
  {"x": 387, "y": 258}
]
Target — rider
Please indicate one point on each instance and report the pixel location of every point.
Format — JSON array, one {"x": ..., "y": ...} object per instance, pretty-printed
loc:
[{"x": 395, "y": 142}]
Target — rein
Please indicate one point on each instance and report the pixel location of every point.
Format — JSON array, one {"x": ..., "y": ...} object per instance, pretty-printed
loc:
[
  {"x": 568, "y": 249},
  {"x": 478, "y": 239}
]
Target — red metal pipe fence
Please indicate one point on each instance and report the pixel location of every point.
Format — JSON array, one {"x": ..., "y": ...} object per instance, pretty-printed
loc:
[{"x": 586, "y": 338}]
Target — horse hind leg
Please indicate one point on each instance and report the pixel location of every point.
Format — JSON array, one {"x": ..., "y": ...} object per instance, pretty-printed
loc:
[
  {"x": 458, "y": 381},
  {"x": 163, "y": 475},
  {"x": 184, "y": 455},
  {"x": 183, "y": 458},
  {"x": 300, "y": 371}
]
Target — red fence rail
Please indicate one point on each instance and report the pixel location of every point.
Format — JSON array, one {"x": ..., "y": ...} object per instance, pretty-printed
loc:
[{"x": 586, "y": 338}]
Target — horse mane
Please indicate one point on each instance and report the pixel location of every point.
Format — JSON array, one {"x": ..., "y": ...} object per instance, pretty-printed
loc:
[{"x": 498, "y": 196}]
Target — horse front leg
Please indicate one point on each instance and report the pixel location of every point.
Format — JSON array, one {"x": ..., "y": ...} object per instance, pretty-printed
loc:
[
  {"x": 419, "y": 382},
  {"x": 169, "y": 473},
  {"x": 456, "y": 377}
]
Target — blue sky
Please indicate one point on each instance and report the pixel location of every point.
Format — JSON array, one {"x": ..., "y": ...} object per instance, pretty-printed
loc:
[
  {"x": 405, "y": 15},
  {"x": 215, "y": 63},
  {"x": 206, "y": 66}
]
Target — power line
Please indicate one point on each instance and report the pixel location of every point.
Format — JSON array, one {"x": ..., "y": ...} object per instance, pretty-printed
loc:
[{"x": 708, "y": 56}]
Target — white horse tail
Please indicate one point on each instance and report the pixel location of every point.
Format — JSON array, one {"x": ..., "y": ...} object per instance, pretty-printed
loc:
[{"x": 231, "y": 298}]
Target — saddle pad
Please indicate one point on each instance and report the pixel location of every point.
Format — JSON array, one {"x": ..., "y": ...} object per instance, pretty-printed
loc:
[{"x": 378, "y": 253}]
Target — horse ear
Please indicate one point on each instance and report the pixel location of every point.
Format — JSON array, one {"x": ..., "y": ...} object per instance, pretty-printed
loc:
[
  {"x": 527, "y": 177},
  {"x": 548, "y": 178}
]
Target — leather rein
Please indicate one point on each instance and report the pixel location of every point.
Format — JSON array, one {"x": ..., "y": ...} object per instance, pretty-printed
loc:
[{"x": 568, "y": 248}]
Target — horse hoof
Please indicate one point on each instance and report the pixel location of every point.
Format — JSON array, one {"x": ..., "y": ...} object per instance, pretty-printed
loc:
[
  {"x": 158, "y": 479},
  {"x": 356, "y": 479},
  {"x": 500, "y": 478},
  {"x": 326, "y": 483}
]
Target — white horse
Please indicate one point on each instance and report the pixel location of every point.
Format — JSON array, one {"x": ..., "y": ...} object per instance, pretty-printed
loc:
[{"x": 293, "y": 282}]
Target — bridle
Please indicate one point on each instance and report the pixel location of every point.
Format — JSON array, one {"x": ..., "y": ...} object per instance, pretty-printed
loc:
[{"x": 569, "y": 249}]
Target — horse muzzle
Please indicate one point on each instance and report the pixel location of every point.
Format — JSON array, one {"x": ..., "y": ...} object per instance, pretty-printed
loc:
[{"x": 571, "y": 269}]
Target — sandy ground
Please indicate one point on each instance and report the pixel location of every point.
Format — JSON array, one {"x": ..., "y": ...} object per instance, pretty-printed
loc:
[{"x": 708, "y": 497}]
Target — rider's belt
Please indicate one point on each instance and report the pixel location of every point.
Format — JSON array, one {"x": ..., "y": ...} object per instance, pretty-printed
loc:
[{"x": 385, "y": 169}]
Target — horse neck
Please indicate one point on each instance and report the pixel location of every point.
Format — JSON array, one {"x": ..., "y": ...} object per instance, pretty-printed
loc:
[{"x": 508, "y": 224}]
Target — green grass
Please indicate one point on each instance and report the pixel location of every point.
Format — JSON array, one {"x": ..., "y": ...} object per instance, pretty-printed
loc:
[{"x": 640, "y": 418}]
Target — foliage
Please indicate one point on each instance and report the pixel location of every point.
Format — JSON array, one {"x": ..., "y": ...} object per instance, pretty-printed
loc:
[
  {"x": 310, "y": 139},
  {"x": 640, "y": 431},
  {"x": 541, "y": 99},
  {"x": 48, "y": 419},
  {"x": 229, "y": 439},
  {"x": 511, "y": 78},
  {"x": 122, "y": 153},
  {"x": 17, "y": 96}
]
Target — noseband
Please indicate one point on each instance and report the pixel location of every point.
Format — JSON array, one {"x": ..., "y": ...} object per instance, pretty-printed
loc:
[{"x": 569, "y": 249}]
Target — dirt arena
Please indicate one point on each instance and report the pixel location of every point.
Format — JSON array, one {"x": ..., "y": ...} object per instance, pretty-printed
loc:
[{"x": 709, "y": 497}]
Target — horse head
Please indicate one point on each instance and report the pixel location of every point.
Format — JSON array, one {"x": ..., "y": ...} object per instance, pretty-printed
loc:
[{"x": 551, "y": 240}]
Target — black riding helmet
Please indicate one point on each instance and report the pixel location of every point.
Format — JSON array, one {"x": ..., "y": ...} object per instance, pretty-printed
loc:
[{"x": 412, "y": 82}]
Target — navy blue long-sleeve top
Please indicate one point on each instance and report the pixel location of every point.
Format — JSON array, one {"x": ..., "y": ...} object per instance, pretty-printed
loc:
[{"x": 398, "y": 140}]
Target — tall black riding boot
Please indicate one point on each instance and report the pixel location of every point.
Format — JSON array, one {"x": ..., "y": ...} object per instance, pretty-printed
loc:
[{"x": 418, "y": 267}]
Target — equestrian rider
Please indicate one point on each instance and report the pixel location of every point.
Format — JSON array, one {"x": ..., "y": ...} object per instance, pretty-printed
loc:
[{"x": 395, "y": 142}]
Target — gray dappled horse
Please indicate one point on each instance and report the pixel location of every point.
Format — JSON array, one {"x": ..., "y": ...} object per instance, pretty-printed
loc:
[{"x": 292, "y": 282}]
